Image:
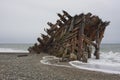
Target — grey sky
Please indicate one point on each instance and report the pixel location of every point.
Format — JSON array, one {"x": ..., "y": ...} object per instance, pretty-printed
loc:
[{"x": 22, "y": 21}]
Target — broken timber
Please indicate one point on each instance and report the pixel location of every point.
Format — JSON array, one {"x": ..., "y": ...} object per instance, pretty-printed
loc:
[{"x": 72, "y": 37}]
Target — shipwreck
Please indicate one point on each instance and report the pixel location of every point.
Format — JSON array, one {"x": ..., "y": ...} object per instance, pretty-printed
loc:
[{"x": 72, "y": 37}]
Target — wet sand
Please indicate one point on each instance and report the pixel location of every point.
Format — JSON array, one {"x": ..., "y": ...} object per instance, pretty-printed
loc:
[{"x": 14, "y": 66}]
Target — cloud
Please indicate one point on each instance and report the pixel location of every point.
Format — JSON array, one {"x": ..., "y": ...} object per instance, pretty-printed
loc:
[{"x": 21, "y": 20}]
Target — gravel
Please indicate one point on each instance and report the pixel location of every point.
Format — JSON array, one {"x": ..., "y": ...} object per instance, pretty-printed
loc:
[{"x": 29, "y": 67}]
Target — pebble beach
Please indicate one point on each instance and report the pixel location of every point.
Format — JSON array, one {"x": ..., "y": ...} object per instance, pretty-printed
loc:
[{"x": 25, "y": 66}]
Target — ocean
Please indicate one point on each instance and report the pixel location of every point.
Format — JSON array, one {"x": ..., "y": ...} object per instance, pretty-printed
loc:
[
  {"x": 109, "y": 61},
  {"x": 106, "y": 48},
  {"x": 109, "y": 57},
  {"x": 14, "y": 48}
]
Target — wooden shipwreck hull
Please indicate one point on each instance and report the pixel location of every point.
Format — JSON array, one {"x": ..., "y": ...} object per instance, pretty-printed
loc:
[{"x": 72, "y": 37}]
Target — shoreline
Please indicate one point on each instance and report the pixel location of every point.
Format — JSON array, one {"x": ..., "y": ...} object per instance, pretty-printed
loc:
[
  {"x": 30, "y": 68},
  {"x": 14, "y": 53},
  {"x": 54, "y": 61}
]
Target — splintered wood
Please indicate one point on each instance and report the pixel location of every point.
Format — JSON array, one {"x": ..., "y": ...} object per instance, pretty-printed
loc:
[{"x": 72, "y": 37}]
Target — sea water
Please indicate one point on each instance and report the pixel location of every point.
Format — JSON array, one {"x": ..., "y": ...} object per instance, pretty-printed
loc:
[
  {"x": 109, "y": 57},
  {"x": 14, "y": 48},
  {"x": 109, "y": 61}
]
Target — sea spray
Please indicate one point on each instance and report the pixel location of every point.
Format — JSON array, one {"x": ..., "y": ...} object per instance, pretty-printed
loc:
[
  {"x": 14, "y": 48},
  {"x": 10, "y": 50},
  {"x": 109, "y": 63},
  {"x": 52, "y": 60},
  {"x": 109, "y": 57}
]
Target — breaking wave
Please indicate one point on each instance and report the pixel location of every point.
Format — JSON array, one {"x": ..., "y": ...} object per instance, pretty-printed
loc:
[
  {"x": 109, "y": 62},
  {"x": 11, "y": 50},
  {"x": 52, "y": 60}
]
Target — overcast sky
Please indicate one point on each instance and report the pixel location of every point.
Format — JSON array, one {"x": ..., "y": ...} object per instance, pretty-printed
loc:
[{"x": 22, "y": 21}]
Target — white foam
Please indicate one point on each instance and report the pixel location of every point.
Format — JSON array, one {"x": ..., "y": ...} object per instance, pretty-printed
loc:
[
  {"x": 96, "y": 67},
  {"x": 109, "y": 62},
  {"x": 12, "y": 50},
  {"x": 47, "y": 60}
]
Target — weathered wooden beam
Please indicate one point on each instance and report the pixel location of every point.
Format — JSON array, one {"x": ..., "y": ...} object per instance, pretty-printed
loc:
[
  {"x": 97, "y": 48},
  {"x": 53, "y": 27},
  {"x": 59, "y": 23},
  {"x": 88, "y": 41},
  {"x": 62, "y": 18},
  {"x": 66, "y": 14},
  {"x": 50, "y": 24},
  {"x": 40, "y": 41},
  {"x": 72, "y": 24},
  {"x": 80, "y": 32},
  {"x": 80, "y": 44}
]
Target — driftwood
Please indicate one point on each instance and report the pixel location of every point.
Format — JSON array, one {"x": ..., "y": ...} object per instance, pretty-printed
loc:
[{"x": 72, "y": 37}]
